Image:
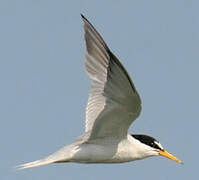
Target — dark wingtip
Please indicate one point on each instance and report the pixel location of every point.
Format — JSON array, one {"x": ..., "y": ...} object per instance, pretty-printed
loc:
[{"x": 83, "y": 17}]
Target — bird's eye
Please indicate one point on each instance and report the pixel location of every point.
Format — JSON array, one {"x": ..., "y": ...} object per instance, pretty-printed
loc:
[{"x": 154, "y": 145}]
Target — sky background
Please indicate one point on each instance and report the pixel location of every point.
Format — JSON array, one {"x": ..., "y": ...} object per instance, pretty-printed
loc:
[{"x": 44, "y": 87}]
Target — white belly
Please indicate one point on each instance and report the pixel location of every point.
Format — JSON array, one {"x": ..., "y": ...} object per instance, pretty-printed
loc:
[{"x": 104, "y": 153}]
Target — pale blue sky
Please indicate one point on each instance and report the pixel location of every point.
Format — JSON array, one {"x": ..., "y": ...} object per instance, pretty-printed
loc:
[{"x": 44, "y": 87}]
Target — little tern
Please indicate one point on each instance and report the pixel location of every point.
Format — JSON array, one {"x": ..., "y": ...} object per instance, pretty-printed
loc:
[{"x": 113, "y": 105}]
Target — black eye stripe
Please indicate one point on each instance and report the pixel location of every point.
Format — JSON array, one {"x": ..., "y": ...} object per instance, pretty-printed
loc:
[{"x": 154, "y": 145}]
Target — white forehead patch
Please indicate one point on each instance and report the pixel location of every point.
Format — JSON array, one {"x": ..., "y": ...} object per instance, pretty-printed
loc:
[{"x": 158, "y": 144}]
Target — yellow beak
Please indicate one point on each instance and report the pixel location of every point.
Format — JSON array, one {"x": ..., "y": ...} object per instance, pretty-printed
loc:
[{"x": 168, "y": 155}]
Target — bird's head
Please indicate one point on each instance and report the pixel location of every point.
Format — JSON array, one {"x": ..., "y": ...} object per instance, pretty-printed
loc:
[{"x": 155, "y": 148}]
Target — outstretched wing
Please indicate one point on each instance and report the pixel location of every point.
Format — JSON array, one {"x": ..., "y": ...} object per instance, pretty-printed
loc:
[{"x": 113, "y": 102}]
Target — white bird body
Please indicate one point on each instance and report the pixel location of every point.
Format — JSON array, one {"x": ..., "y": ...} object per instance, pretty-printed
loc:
[
  {"x": 100, "y": 151},
  {"x": 111, "y": 151},
  {"x": 113, "y": 105}
]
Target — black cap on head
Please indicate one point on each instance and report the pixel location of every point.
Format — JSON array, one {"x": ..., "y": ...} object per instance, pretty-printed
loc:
[{"x": 148, "y": 140}]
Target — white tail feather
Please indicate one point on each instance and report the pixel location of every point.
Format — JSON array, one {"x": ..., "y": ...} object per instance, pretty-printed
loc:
[
  {"x": 63, "y": 155},
  {"x": 35, "y": 163}
]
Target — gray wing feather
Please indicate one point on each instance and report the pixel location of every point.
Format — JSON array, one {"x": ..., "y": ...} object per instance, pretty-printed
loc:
[{"x": 113, "y": 102}]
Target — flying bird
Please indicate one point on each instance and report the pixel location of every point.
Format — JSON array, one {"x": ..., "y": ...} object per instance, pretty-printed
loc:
[{"x": 113, "y": 105}]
